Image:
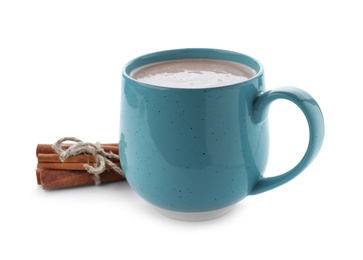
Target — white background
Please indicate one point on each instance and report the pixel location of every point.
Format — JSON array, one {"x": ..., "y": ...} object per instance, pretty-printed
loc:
[{"x": 60, "y": 75}]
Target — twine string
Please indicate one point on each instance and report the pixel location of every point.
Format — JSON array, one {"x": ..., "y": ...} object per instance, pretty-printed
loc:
[{"x": 102, "y": 158}]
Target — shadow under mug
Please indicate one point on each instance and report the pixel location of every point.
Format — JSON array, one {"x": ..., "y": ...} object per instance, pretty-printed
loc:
[{"x": 194, "y": 153}]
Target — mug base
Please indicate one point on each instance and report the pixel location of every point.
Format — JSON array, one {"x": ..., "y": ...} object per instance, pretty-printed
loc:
[{"x": 195, "y": 216}]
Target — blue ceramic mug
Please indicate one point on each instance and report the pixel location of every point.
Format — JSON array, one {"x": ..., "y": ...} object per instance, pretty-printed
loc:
[{"x": 195, "y": 152}]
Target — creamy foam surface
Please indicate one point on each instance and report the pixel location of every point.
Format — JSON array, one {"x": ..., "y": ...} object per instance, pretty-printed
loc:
[{"x": 193, "y": 73}]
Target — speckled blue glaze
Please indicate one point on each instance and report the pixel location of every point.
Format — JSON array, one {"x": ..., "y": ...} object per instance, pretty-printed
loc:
[{"x": 194, "y": 150}]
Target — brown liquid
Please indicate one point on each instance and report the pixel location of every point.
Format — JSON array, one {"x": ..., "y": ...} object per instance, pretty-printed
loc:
[{"x": 193, "y": 73}]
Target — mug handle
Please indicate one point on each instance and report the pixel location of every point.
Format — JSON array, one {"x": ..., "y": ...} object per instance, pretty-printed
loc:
[{"x": 315, "y": 120}]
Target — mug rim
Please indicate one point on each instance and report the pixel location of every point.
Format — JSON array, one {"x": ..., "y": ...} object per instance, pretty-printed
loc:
[{"x": 185, "y": 53}]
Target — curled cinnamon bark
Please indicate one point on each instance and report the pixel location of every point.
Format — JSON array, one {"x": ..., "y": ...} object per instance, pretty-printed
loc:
[
  {"x": 79, "y": 158},
  {"x": 48, "y": 149},
  {"x": 57, "y": 179}
]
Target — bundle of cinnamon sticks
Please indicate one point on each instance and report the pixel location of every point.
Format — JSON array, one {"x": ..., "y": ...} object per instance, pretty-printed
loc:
[{"x": 52, "y": 173}]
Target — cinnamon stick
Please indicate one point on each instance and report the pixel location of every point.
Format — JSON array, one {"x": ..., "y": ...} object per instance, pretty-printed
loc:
[
  {"x": 68, "y": 166},
  {"x": 79, "y": 158},
  {"x": 48, "y": 149},
  {"x": 57, "y": 179}
]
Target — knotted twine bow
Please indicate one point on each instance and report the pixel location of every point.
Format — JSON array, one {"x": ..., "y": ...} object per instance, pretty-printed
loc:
[{"x": 102, "y": 158}]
